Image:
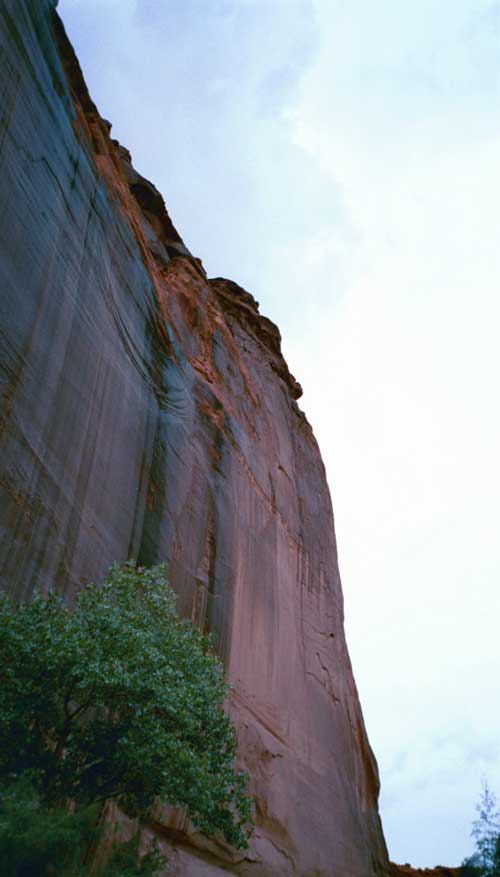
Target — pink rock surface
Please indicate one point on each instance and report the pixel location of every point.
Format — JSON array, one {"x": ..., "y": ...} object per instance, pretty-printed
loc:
[{"x": 148, "y": 412}]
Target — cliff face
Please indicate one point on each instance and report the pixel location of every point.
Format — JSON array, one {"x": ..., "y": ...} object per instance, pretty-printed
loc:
[{"x": 147, "y": 412}]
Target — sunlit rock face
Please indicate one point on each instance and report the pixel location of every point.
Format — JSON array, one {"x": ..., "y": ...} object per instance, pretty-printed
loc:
[{"x": 147, "y": 412}]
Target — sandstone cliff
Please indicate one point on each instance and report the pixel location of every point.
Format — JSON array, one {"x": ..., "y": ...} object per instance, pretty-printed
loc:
[{"x": 147, "y": 412}]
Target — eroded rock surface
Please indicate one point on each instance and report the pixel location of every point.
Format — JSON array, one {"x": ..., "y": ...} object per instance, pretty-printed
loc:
[{"x": 148, "y": 412}]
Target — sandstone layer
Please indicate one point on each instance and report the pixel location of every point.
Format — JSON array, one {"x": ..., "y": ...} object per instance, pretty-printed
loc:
[{"x": 147, "y": 412}]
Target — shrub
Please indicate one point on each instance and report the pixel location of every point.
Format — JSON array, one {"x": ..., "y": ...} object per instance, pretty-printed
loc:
[{"x": 119, "y": 699}]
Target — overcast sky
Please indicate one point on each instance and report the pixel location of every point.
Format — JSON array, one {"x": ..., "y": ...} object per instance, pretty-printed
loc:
[{"x": 340, "y": 160}]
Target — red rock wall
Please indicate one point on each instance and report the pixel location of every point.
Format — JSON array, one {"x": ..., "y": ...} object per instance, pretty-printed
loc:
[{"x": 147, "y": 412}]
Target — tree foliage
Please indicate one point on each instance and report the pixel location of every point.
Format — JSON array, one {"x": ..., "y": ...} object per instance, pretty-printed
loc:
[
  {"x": 33, "y": 836},
  {"x": 119, "y": 699},
  {"x": 42, "y": 840},
  {"x": 486, "y": 833}
]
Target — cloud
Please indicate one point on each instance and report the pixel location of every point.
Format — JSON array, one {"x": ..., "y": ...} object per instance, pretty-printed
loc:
[{"x": 400, "y": 390}]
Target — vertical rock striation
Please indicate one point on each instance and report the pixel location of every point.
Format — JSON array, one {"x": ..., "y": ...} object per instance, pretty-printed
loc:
[{"x": 147, "y": 412}]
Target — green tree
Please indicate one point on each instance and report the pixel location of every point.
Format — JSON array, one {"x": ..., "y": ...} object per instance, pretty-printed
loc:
[
  {"x": 486, "y": 833},
  {"x": 33, "y": 837},
  {"x": 43, "y": 840},
  {"x": 119, "y": 699}
]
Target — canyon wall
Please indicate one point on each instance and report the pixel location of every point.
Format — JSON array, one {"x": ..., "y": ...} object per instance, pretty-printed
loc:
[{"x": 147, "y": 412}]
